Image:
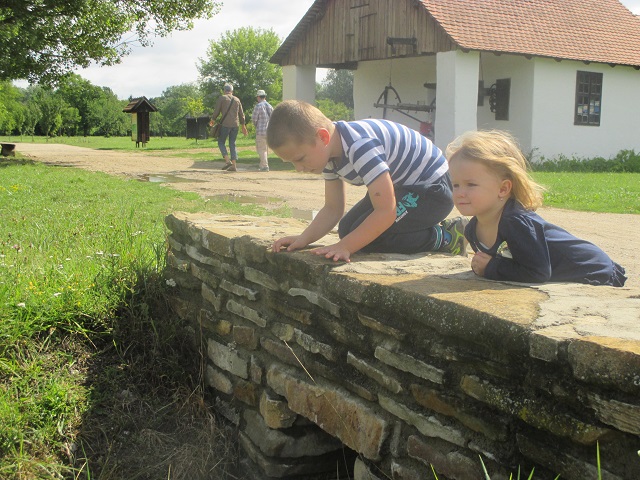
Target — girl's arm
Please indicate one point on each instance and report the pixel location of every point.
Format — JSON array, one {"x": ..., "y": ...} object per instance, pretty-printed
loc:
[
  {"x": 527, "y": 244},
  {"x": 382, "y": 196},
  {"x": 327, "y": 218}
]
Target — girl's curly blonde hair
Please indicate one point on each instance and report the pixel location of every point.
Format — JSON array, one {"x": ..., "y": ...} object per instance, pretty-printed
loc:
[{"x": 499, "y": 152}]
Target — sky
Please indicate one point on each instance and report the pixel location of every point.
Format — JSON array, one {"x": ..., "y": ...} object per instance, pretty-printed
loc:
[{"x": 172, "y": 60}]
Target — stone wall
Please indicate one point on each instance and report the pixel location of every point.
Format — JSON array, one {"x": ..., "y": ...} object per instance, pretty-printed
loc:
[{"x": 393, "y": 363}]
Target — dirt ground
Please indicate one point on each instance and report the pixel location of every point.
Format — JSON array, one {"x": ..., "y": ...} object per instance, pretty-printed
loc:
[{"x": 617, "y": 234}]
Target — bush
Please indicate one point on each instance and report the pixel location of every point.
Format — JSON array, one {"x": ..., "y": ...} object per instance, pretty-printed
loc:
[{"x": 626, "y": 161}]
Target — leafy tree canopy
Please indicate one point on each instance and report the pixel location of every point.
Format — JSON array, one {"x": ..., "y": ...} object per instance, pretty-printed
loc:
[
  {"x": 42, "y": 40},
  {"x": 337, "y": 86},
  {"x": 241, "y": 57}
]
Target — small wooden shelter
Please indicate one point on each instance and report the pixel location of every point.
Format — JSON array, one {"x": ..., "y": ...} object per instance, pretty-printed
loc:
[{"x": 139, "y": 108}]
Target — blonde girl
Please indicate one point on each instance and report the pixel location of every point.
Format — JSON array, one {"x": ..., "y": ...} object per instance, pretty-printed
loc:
[{"x": 511, "y": 242}]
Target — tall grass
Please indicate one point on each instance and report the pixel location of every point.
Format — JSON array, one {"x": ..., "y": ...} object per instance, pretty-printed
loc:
[{"x": 86, "y": 368}]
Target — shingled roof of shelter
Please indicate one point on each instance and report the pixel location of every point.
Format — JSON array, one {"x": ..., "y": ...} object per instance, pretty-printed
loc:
[{"x": 603, "y": 31}]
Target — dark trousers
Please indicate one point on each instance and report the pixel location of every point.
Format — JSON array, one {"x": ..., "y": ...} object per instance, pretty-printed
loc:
[{"x": 418, "y": 210}]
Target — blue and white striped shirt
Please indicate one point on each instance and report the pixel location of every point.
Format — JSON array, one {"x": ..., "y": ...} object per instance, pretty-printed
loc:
[{"x": 372, "y": 147}]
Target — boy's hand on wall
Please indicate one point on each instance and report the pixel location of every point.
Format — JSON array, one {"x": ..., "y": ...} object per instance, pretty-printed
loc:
[
  {"x": 291, "y": 243},
  {"x": 336, "y": 252}
]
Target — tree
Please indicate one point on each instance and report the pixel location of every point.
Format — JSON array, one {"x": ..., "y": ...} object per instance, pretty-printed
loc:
[
  {"x": 42, "y": 40},
  {"x": 79, "y": 93},
  {"x": 338, "y": 87},
  {"x": 107, "y": 116},
  {"x": 173, "y": 105},
  {"x": 241, "y": 57}
]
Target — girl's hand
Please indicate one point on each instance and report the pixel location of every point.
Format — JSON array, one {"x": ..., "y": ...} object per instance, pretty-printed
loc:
[
  {"x": 479, "y": 263},
  {"x": 336, "y": 252},
  {"x": 292, "y": 243}
]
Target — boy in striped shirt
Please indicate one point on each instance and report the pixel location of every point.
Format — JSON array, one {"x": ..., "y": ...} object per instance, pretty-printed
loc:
[{"x": 408, "y": 187}]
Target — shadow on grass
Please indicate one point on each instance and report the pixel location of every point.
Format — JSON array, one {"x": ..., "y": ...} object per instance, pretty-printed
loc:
[{"x": 147, "y": 418}]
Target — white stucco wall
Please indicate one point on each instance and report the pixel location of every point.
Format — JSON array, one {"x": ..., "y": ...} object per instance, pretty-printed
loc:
[
  {"x": 299, "y": 83},
  {"x": 553, "y": 131},
  {"x": 406, "y": 75},
  {"x": 457, "y": 94},
  {"x": 520, "y": 71}
]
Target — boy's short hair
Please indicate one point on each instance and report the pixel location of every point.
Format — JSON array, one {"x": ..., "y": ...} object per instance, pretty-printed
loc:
[{"x": 295, "y": 121}]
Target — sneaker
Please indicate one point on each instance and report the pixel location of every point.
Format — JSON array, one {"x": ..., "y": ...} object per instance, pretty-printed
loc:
[
  {"x": 455, "y": 227},
  {"x": 264, "y": 169},
  {"x": 227, "y": 166},
  {"x": 231, "y": 168}
]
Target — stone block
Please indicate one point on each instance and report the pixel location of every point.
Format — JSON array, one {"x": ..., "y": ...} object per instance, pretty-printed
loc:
[
  {"x": 429, "y": 426},
  {"x": 491, "y": 428},
  {"x": 545, "y": 416},
  {"x": 362, "y": 472},
  {"x": 296, "y": 443},
  {"x": 277, "y": 467},
  {"x": 246, "y": 312},
  {"x": 209, "y": 295},
  {"x": 246, "y": 337},
  {"x": 279, "y": 305},
  {"x": 374, "y": 373},
  {"x": 247, "y": 392},
  {"x": 409, "y": 364},
  {"x": 280, "y": 350},
  {"x": 205, "y": 275},
  {"x": 621, "y": 415},
  {"x": 547, "y": 344},
  {"x": 607, "y": 361},
  {"x": 354, "y": 422},
  {"x": 446, "y": 460},
  {"x": 261, "y": 278},
  {"x": 174, "y": 244},
  {"x": 255, "y": 370},
  {"x": 380, "y": 327},
  {"x": 561, "y": 463},
  {"x": 227, "y": 359},
  {"x": 218, "y": 381},
  {"x": 239, "y": 290},
  {"x": 216, "y": 243},
  {"x": 179, "y": 263},
  {"x": 228, "y": 411},
  {"x": 276, "y": 412},
  {"x": 312, "y": 345},
  {"x": 202, "y": 257},
  {"x": 249, "y": 249},
  {"x": 316, "y": 299},
  {"x": 283, "y": 331},
  {"x": 401, "y": 471}
]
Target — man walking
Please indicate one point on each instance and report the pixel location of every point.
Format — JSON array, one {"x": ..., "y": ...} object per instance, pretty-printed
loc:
[{"x": 260, "y": 118}]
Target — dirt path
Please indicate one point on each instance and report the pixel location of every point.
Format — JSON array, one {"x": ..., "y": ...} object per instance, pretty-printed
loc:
[{"x": 617, "y": 234}]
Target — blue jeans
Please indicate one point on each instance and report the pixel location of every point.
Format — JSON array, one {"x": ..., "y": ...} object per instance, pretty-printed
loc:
[{"x": 232, "y": 133}]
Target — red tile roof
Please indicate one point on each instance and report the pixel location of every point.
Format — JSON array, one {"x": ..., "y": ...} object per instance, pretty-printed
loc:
[{"x": 602, "y": 31}]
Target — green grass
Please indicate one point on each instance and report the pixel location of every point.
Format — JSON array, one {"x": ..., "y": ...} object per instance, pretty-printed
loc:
[
  {"x": 593, "y": 192},
  {"x": 81, "y": 261}
]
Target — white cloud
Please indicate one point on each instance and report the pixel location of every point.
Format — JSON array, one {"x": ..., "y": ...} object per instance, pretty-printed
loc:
[{"x": 172, "y": 60}]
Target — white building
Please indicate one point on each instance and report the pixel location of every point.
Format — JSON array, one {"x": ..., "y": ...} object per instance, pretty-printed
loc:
[{"x": 560, "y": 75}]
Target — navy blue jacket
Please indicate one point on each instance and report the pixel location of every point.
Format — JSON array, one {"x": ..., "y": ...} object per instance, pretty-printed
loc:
[{"x": 532, "y": 250}]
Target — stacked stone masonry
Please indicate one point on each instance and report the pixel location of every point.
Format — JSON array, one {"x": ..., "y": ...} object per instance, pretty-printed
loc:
[{"x": 391, "y": 364}]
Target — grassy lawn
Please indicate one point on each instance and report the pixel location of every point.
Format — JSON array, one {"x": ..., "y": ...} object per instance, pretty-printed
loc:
[
  {"x": 591, "y": 192},
  {"x": 92, "y": 372}
]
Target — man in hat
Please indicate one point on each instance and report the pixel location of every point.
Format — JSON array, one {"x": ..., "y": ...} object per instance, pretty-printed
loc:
[{"x": 260, "y": 118}]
